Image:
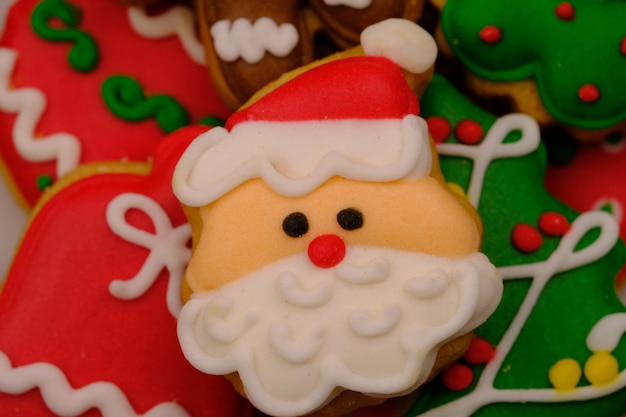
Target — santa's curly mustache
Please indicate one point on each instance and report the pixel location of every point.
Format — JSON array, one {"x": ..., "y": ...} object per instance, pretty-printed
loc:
[{"x": 297, "y": 334}]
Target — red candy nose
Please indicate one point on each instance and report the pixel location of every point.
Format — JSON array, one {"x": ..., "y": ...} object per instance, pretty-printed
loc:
[{"x": 326, "y": 251}]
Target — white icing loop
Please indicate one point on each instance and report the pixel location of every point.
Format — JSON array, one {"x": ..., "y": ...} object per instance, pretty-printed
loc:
[
  {"x": 492, "y": 147},
  {"x": 29, "y": 104},
  {"x": 178, "y": 21},
  {"x": 375, "y": 271},
  {"x": 168, "y": 248},
  {"x": 250, "y": 41},
  {"x": 295, "y": 351},
  {"x": 430, "y": 286},
  {"x": 62, "y": 399},
  {"x": 607, "y": 333},
  {"x": 295, "y": 294},
  {"x": 365, "y": 324}
]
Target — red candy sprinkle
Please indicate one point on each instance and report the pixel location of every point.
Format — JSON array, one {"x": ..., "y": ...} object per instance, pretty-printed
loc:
[
  {"x": 553, "y": 224},
  {"x": 622, "y": 46},
  {"x": 479, "y": 352},
  {"x": 526, "y": 238},
  {"x": 565, "y": 11},
  {"x": 457, "y": 377},
  {"x": 469, "y": 132},
  {"x": 490, "y": 34},
  {"x": 588, "y": 93},
  {"x": 439, "y": 128}
]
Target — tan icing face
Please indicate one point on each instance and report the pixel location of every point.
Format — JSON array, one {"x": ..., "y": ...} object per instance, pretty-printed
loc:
[{"x": 242, "y": 231}]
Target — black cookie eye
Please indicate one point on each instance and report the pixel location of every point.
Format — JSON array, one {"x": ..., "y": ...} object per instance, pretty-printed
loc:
[
  {"x": 350, "y": 219},
  {"x": 295, "y": 224}
]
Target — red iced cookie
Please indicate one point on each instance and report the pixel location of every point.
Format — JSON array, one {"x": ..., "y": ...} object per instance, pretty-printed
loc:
[
  {"x": 92, "y": 80},
  {"x": 88, "y": 309}
]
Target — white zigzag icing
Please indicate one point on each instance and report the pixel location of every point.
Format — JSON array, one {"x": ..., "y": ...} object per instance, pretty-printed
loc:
[
  {"x": 63, "y": 399},
  {"x": 179, "y": 21},
  {"x": 29, "y": 104}
]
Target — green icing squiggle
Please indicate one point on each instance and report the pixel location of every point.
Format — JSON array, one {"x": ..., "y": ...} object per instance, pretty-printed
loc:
[
  {"x": 125, "y": 98},
  {"x": 83, "y": 55}
]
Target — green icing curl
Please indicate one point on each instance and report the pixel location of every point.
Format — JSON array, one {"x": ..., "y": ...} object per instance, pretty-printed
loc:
[
  {"x": 125, "y": 98},
  {"x": 561, "y": 55},
  {"x": 83, "y": 55}
]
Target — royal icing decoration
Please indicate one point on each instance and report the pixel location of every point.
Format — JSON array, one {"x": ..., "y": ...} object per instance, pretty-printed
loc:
[
  {"x": 436, "y": 299},
  {"x": 168, "y": 248},
  {"x": 545, "y": 359},
  {"x": 84, "y": 53},
  {"x": 250, "y": 41},
  {"x": 29, "y": 104},
  {"x": 62, "y": 399},
  {"x": 178, "y": 20}
]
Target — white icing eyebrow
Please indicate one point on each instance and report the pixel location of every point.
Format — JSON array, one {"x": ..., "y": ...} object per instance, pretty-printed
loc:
[
  {"x": 178, "y": 21},
  {"x": 250, "y": 41},
  {"x": 29, "y": 105}
]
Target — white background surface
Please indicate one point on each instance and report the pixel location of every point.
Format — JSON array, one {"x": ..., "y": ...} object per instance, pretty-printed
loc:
[{"x": 12, "y": 217}]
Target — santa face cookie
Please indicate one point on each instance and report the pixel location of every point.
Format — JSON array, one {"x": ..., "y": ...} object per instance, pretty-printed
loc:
[
  {"x": 89, "y": 307},
  {"x": 564, "y": 63},
  {"x": 84, "y": 81},
  {"x": 556, "y": 344},
  {"x": 328, "y": 254}
]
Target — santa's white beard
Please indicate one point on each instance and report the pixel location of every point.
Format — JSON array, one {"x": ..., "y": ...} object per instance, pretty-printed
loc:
[{"x": 298, "y": 334}]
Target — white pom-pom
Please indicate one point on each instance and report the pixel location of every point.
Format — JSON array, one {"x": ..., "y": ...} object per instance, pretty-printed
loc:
[{"x": 404, "y": 42}]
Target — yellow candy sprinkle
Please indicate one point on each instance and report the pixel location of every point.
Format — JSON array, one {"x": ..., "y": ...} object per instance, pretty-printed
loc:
[
  {"x": 601, "y": 368},
  {"x": 565, "y": 374}
]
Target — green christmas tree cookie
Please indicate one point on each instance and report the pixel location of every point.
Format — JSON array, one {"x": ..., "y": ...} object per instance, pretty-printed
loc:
[{"x": 556, "y": 343}]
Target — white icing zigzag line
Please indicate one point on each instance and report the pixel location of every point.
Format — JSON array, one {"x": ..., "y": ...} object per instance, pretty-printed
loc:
[
  {"x": 29, "y": 104},
  {"x": 178, "y": 21},
  {"x": 62, "y": 399},
  {"x": 562, "y": 259},
  {"x": 168, "y": 248},
  {"x": 492, "y": 147}
]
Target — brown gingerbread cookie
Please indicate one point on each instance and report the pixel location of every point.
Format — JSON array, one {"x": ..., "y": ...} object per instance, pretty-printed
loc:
[{"x": 250, "y": 43}]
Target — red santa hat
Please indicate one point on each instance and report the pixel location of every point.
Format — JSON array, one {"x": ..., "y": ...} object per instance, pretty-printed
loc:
[{"x": 353, "y": 117}]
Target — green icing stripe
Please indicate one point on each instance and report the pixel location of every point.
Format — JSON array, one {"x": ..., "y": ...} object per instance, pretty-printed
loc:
[
  {"x": 561, "y": 55},
  {"x": 83, "y": 55},
  {"x": 125, "y": 98}
]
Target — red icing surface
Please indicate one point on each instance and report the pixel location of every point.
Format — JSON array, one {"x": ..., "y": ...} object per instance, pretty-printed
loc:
[
  {"x": 593, "y": 178},
  {"x": 74, "y": 103},
  {"x": 354, "y": 81},
  {"x": 56, "y": 306}
]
